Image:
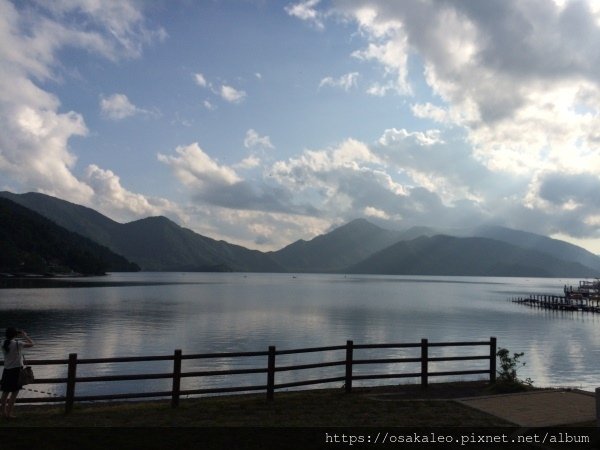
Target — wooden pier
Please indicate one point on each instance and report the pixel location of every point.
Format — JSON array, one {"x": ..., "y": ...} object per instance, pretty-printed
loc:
[
  {"x": 560, "y": 302},
  {"x": 584, "y": 298}
]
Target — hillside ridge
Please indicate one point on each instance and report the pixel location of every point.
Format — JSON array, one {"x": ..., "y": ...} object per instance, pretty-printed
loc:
[{"x": 158, "y": 244}]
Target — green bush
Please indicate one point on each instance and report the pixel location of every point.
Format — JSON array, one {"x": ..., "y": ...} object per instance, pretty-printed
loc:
[{"x": 508, "y": 380}]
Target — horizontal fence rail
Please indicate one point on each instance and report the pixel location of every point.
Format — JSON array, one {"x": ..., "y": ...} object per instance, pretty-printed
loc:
[{"x": 345, "y": 360}]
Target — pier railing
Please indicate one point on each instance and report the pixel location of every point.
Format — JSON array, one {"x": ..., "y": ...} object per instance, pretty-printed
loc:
[{"x": 346, "y": 362}]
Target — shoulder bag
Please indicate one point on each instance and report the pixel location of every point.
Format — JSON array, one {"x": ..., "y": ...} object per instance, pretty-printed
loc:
[{"x": 26, "y": 372}]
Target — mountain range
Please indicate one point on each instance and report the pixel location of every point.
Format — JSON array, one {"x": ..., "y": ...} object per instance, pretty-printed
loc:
[
  {"x": 30, "y": 243},
  {"x": 159, "y": 244},
  {"x": 154, "y": 243}
]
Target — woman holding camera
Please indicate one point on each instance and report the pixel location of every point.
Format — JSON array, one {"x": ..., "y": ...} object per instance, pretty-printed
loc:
[{"x": 13, "y": 361}]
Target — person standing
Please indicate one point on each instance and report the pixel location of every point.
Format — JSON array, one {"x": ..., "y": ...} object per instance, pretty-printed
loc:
[{"x": 13, "y": 361}]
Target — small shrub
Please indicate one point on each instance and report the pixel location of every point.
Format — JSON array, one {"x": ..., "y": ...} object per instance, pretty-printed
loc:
[{"x": 508, "y": 380}]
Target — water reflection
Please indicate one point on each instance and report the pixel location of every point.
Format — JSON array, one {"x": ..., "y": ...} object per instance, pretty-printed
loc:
[{"x": 153, "y": 314}]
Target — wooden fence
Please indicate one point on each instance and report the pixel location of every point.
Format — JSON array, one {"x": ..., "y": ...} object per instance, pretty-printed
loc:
[{"x": 347, "y": 375}]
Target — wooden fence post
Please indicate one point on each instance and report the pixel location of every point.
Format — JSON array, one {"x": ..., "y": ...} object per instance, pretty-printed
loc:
[
  {"x": 493, "y": 351},
  {"x": 271, "y": 374},
  {"x": 176, "y": 379},
  {"x": 597, "y": 407},
  {"x": 71, "y": 375},
  {"x": 424, "y": 362},
  {"x": 349, "y": 357}
]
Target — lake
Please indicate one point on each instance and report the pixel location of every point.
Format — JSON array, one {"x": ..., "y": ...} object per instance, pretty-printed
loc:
[{"x": 143, "y": 314}]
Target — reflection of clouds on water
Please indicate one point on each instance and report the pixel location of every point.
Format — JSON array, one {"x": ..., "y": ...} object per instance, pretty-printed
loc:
[
  {"x": 568, "y": 354},
  {"x": 536, "y": 368},
  {"x": 102, "y": 322},
  {"x": 233, "y": 313},
  {"x": 560, "y": 346}
]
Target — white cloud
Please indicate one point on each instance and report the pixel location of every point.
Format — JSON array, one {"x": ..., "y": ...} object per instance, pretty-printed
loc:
[
  {"x": 520, "y": 79},
  {"x": 118, "y": 106},
  {"x": 254, "y": 229},
  {"x": 34, "y": 145},
  {"x": 250, "y": 162},
  {"x": 391, "y": 52},
  {"x": 211, "y": 183},
  {"x": 200, "y": 80},
  {"x": 225, "y": 91},
  {"x": 430, "y": 111},
  {"x": 341, "y": 181},
  {"x": 371, "y": 211},
  {"x": 345, "y": 82},
  {"x": 447, "y": 169},
  {"x": 305, "y": 10},
  {"x": 380, "y": 90},
  {"x": 194, "y": 168},
  {"x": 254, "y": 140},
  {"x": 114, "y": 29},
  {"x": 406, "y": 177},
  {"x": 34, "y": 151},
  {"x": 516, "y": 89},
  {"x": 392, "y": 135},
  {"x": 114, "y": 200},
  {"x": 302, "y": 171},
  {"x": 232, "y": 95}
]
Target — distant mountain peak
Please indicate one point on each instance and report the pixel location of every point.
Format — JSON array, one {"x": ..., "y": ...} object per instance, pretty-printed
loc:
[
  {"x": 156, "y": 220},
  {"x": 337, "y": 249},
  {"x": 359, "y": 221},
  {"x": 360, "y": 225}
]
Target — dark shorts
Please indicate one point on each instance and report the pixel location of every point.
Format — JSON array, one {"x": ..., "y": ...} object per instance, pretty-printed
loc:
[{"x": 10, "y": 380}]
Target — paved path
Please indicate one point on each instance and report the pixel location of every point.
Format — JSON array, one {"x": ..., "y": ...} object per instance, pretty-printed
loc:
[{"x": 538, "y": 408}]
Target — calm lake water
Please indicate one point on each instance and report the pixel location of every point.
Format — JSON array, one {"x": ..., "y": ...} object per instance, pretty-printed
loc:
[{"x": 203, "y": 313}]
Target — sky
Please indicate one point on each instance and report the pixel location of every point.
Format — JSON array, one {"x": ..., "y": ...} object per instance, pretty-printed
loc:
[{"x": 261, "y": 122}]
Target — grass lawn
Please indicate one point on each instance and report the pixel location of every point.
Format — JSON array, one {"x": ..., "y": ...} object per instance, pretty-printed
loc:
[
  {"x": 404, "y": 405},
  {"x": 300, "y": 419}
]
